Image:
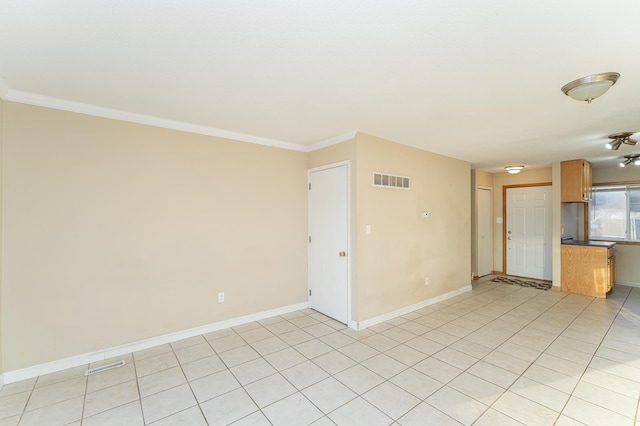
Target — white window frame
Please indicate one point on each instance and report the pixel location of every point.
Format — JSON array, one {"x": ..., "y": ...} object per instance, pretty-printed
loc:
[{"x": 626, "y": 187}]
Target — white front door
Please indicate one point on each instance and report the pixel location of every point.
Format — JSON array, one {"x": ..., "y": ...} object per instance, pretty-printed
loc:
[
  {"x": 528, "y": 232},
  {"x": 484, "y": 235},
  {"x": 329, "y": 241}
]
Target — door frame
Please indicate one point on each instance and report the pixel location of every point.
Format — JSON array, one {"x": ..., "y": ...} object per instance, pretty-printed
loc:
[
  {"x": 350, "y": 321},
  {"x": 478, "y": 189},
  {"x": 504, "y": 220}
]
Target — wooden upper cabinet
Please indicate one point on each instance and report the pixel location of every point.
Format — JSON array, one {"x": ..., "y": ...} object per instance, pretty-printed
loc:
[{"x": 575, "y": 181}]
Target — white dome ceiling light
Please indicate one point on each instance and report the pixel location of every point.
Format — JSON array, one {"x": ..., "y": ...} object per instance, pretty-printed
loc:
[
  {"x": 514, "y": 169},
  {"x": 590, "y": 87}
]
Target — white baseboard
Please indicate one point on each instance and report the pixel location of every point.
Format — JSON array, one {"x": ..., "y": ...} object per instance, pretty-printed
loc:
[
  {"x": 402, "y": 311},
  {"x": 628, "y": 283},
  {"x": 78, "y": 360}
]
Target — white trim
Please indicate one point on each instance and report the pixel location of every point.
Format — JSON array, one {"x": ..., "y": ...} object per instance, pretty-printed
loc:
[
  {"x": 82, "y": 108},
  {"x": 2, "y": 380},
  {"x": 78, "y": 360},
  {"x": 332, "y": 166},
  {"x": 132, "y": 117},
  {"x": 333, "y": 140},
  {"x": 4, "y": 89},
  {"x": 350, "y": 322},
  {"x": 628, "y": 283},
  {"x": 402, "y": 311},
  {"x": 485, "y": 187}
]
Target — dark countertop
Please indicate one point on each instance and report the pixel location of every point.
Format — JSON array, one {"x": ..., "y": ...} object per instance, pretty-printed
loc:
[{"x": 590, "y": 243}]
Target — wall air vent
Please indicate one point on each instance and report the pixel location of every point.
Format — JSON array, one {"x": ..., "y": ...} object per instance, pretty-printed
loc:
[{"x": 390, "y": 181}]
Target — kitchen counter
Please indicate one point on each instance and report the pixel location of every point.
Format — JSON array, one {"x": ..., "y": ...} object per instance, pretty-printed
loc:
[
  {"x": 588, "y": 267},
  {"x": 590, "y": 243}
]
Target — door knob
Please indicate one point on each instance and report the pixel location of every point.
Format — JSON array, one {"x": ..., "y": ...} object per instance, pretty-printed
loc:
[
  {"x": 509, "y": 237},
  {"x": 342, "y": 253}
]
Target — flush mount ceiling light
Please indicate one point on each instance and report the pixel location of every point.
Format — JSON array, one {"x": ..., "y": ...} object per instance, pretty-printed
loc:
[
  {"x": 514, "y": 169},
  {"x": 628, "y": 159},
  {"x": 590, "y": 87},
  {"x": 619, "y": 139}
]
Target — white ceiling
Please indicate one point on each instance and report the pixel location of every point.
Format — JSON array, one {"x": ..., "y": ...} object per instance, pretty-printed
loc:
[{"x": 474, "y": 80}]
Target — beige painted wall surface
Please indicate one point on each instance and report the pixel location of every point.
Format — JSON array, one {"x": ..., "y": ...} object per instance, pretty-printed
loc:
[
  {"x": 1, "y": 180},
  {"x": 333, "y": 154},
  {"x": 404, "y": 248},
  {"x": 483, "y": 179},
  {"x": 116, "y": 232},
  {"x": 527, "y": 176},
  {"x": 345, "y": 151},
  {"x": 627, "y": 265}
]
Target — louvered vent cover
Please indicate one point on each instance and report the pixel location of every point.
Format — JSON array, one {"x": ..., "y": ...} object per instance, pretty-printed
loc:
[{"x": 390, "y": 181}]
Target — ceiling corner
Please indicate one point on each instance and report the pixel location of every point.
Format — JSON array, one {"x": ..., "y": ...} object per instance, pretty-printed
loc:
[{"x": 343, "y": 137}]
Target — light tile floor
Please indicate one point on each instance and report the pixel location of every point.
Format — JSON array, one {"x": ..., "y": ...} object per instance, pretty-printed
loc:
[{"x": 498, "y": 355}]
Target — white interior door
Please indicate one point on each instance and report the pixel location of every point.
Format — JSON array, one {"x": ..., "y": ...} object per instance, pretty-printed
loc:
[
  {"x": 484, "y": 236},
  {"x": 329, "y": 241},
  {"x": 529, "y": 223}
]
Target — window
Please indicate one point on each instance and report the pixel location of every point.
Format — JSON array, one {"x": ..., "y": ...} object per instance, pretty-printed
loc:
[{"x": 615, "y": 213}]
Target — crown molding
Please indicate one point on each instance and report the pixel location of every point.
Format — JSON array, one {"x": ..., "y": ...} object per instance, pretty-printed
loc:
[
  {"x": 115, "y": 114},
  {"x": 4, "y": 89},
  {"x": 333, "y": 140},
  {"x": 82, "y": 108}
]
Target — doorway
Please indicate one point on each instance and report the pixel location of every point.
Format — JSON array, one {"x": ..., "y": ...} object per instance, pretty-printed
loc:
[
  {"x": 329, "y": 265},
  {"x": 528, "y": 231}
]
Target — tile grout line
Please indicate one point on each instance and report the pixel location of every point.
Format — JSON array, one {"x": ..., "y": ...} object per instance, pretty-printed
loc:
[
  {"x": 84, "y": 398},
  {"x": 594, "y": 354},
  {"x": 135, "y": 374},
  {"x": 454, "y": 308},
  {"x": 24, "y": 410},
  {"x": 504, "y": 341}
]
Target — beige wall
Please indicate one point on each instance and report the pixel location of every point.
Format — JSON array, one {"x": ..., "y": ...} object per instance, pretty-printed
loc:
[
  {"x": 627, "y": 265},
  {"x": 1, "y": 180},
  {"x": 116, "y": 232},
  {"x": 482, "y": 179},
  {"x": 527, "y": 176},
  {"x": 404, "y": 248}
]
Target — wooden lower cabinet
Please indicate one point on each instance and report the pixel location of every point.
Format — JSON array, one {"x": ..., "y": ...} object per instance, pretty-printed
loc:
[{"x": 588, "y": 270}]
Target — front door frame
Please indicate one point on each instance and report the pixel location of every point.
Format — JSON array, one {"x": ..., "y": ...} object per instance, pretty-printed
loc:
[{"x": 504, "y": 215}]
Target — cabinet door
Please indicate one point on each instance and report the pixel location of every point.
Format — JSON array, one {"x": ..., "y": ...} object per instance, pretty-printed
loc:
[
  {"x": 611, "y": 264},
  {"x": 575, "y": 181},
  {"x": 586, "y": 181}
]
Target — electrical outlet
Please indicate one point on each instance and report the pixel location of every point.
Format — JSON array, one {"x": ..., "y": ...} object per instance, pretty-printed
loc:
[
  {"x": 426, "y": 281},
  {"x": 220, "y": 297}
]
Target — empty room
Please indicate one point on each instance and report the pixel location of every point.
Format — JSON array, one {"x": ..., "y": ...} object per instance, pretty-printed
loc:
[{"x": 319, "y": 213}]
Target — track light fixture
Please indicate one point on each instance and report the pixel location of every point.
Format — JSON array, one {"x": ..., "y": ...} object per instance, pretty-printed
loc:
[
  {"x": 618, "y": 139},
  {"x": 628, "y": 159}
]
